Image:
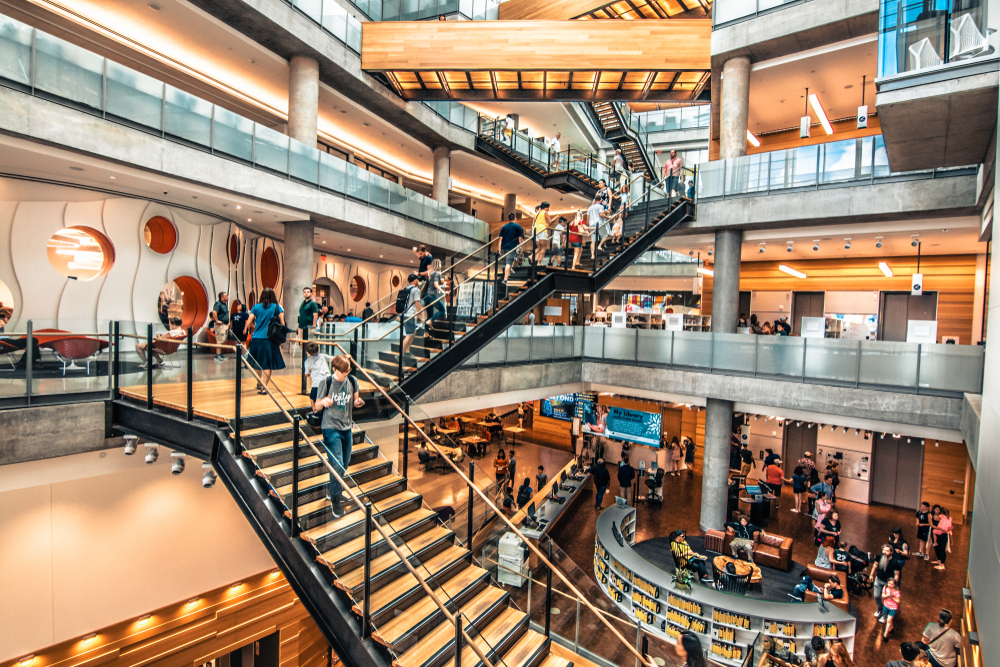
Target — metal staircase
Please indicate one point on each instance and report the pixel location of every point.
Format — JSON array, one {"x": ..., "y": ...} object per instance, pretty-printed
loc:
[{"x": 612, "y": 119}]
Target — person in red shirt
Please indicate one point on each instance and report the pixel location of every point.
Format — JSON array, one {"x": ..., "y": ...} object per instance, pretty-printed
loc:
[{"x": 774, "y": 477}]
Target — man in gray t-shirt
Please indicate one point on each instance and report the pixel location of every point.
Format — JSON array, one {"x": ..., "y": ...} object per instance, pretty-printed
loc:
[{"x": 336, "y": 397}]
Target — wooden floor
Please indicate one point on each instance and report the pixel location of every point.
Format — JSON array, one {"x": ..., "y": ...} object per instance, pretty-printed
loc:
[{"x": 215, "y": 399}]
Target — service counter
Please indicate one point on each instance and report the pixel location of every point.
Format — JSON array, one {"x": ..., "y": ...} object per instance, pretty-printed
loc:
[
  {"x": 725, "y": 623},
  {"x": 549, "y": 511}
]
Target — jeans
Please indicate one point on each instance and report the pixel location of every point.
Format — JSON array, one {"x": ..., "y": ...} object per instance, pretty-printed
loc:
[
  {"x": 434, "y": 310},
  {"x": 600, "y": 495},
  {"x": 877, "y": 592},
  {"x": 338, "y": 444}
]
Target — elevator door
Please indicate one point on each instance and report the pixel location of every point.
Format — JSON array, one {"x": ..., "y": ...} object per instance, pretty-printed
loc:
[
  {"x": 899, "y": 307},
  {"x": 897, "y": 468},
  {"x": 805, "y": 304},
  {"x": 797, "y": 441}
]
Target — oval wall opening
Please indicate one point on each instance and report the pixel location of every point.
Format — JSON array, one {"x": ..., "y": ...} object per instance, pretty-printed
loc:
[{"x": 160, "y": 234}]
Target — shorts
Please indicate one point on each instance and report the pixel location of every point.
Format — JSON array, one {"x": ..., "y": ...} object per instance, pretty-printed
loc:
[
  {"x": 923, "y": 533},
  {"x": 889, "y": 612},
  {"x": 508, "y": 256},
  {"x": 575, "y": 244},
  {"x": 556, "y": 249},
  {"x": 409, "y": 326}
]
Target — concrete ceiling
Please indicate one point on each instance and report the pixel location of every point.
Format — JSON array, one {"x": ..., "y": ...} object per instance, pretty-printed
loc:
[
  {"x": 183, "y": 45},
  {"x": 834, "y": 73},
  {"x": 940, "y": 236}
]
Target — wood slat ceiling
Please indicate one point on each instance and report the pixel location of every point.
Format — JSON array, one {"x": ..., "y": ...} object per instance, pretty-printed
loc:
[{"x": 540, "y": 60}]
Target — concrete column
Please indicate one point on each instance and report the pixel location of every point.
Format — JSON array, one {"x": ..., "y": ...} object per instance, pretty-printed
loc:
[
  {"x": 303, "y": 100},
  {"x": 442, "y": 172},
  {"x": 715, "y": 474},
  {"x": 726, "y": 281},
  {"x": 298, "y": 267},
  {"x": 734, "y": 110},
  {"x": 509, "y": 205}
]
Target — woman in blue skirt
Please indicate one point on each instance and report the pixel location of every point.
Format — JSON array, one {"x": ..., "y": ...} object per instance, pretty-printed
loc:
[{"x": 264, "y": 353}]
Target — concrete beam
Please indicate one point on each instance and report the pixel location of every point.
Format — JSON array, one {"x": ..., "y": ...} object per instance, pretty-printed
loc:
[
  {"x": 940, "y": 119},
  {"x": 35, "y": 434},
  {"x": 41, "y": 121},
  {"x": 287, "y": 32},
  {"x": 972, "y": 408},
  {"x": 878, "y": 202},
  {"x": 795, "y": 29}
]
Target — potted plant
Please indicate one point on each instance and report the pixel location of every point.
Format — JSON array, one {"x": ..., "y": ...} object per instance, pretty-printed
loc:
[{"x": 683, "y": 579}]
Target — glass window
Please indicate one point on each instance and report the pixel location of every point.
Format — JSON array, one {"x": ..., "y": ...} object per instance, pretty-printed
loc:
[{"x": 335, "y": 20}]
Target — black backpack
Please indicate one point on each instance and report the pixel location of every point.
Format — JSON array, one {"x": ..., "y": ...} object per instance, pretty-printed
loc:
[
  {"x": 402, "y": 300},
  {"x": 315, "y": 419},
  {"x": 277, "y": 332}
]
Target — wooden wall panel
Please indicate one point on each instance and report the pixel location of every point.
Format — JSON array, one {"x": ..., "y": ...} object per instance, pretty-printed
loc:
[
  {"x": 953, "y": 277},
  {"x": 944, "y": 476},
  {"x": 536, "y": 45},
  {"x": 221, "y": 621}
]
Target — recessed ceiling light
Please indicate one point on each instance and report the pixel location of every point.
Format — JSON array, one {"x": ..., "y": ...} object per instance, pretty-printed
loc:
[
  {"x": 249, "y": 220},
  {"x": 324, "y": 242},
  {"x": 253, "y": 62},
  {"x": 367, "y": 124},
  {"x": 114, "y": 178},
  {"x": 154, "y": 7},
  {"x": 76, "y": 168},
  {"x": 238, "y": 207},
  {"x": 380, "y": 256}
]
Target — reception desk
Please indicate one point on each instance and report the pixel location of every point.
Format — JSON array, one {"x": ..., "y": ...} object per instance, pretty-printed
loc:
[
  {"x": 549, "y": 511},
  {"x": 725, "y": 623}
]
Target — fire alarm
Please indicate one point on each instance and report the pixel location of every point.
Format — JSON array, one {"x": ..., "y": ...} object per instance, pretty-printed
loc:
[{"x": 322, "y": 258}]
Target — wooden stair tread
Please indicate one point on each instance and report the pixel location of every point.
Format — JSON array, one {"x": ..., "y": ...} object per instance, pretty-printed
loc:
[
  {"x": 444, "y": 634},
  {"x": 255, "y": 452},
  {"x": 524, "y": 649},
  {"x": 553, "y": 660},
  {"x": 356, "y": 516},
  {"x": 356, "y": 577},
  {"x": 388, "y": 594},
  {"x": 308, "y": 460},
  {"x": 321, "y": 479},
  {"x": 401, "y": 625},
  {"x": 344, "y": 551},
  {"x": 492, "y": 635},
  {"x": 361, "y": 490}
]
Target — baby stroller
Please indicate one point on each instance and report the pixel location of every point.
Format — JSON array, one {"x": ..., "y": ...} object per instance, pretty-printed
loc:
[{"x": 857, "y": 562}]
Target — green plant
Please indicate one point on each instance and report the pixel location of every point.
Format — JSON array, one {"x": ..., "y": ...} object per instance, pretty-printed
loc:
[{"x": 684, "y": 578}]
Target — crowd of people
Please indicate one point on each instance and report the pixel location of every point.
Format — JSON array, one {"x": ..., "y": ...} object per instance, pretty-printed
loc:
[{"x": 780, "y": 327}]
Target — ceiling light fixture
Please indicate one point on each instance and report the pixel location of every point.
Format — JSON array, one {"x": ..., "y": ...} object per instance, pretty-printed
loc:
[
  {"x": 26, "y": 660},
  {"x": 792, "y": 272},
  {"x": 90, "y": 639},
  {"x": 193, "y": 601},
  {"x": 145, "y": 619},
  {"x": 752, "y": 139},
  {"x": 237, "y": 586},
  {"x": 886, "y": 271},
  {"x": 847, "y": 244},
  {"x": 818, "y": 108},
  {"x": 705, "y": 272},
  {"x": 878, "y": 241}
]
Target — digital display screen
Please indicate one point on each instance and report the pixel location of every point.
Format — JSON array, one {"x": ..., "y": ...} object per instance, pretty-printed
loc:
[
  {"x": 560, "y": 407},
  {"x": 642, "y": 428}
]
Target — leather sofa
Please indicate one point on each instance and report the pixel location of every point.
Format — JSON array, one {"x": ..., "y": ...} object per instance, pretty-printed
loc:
[
  {"x": 821, "y": 575},
  {"x": 769, "y": 550}
]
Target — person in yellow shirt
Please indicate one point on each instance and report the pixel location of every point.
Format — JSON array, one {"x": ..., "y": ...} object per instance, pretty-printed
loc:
[{"x": 540, "y": 228}]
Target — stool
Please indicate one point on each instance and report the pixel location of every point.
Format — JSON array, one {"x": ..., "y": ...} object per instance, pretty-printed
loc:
[{"x": 715, "y": 540}]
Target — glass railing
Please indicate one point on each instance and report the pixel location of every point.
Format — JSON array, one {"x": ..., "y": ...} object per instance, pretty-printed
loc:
[
  {"x": 914, "y": 367},
  {"x": 861, "y": 160},
  {"x": 33, "y": 61},
  {"x": 919, "y": 34},
  {"x": 669, "y": 120},
  {"x": 422, "y": 10},
  {"x": 665, "y": 257},
  {"x": 455, "y": 113},
  {"x": 732, "y": 11}
]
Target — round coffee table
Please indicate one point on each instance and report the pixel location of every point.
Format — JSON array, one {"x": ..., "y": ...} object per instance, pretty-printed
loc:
[{"x": 742, "y": 568}]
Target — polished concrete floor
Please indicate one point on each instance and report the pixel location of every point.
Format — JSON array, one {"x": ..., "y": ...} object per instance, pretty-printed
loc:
[{"x": 924, "y": 590}]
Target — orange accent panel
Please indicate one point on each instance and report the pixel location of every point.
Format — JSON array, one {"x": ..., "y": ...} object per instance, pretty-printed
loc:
[
  {"x": 269, "y": 268},
  {"x": 234, "y": 249},
  {"x": 195, "y": 302},
  {"x": 360, "y": 288},
  {"x": 160, "y": 234}
]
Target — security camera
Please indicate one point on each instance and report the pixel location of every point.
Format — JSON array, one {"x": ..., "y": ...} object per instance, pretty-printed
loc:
[
  {"x": 131, "y": 441},
  {"x": 208, "y": 477},
  {"x": 691, "y": 253},
  {"x": 710, "y": 252},
  {"x": 177, "y": 463},
  {"x": 152, "y": 454}
]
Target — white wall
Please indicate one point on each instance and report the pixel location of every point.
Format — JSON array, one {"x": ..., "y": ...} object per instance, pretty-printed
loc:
[
  {"x": 764, "y": 434},
  {"x": 769, "y": 306},
  {"x": 851, "y": 303},
  {"x": 94, "y": 539},
  {"x": 827, "y": 441}
]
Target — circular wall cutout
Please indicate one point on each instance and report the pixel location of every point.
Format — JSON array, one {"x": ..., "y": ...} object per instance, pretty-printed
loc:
[
  {"x": 251, "y": 300},
  {"x": 234, "y": 249},
  {"x": 395, "y": 281},
  {"x": 6, "y": 304},
  {"x": 269, "y": 268},
  {"x": 160, "y": 234},
  {"x": 358, "y": 289},
  {"x": 185, "y": 298},
  {"x": 81, "y": 253}
]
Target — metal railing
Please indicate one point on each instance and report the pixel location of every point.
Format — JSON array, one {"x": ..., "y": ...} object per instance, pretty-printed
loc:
[
  {"x": 671, "y": 120},
  {"x": 914, "y": 37},
  {"x": 851, "y": 161},
  {"x": 935, "y": 369},
  {"x": 727, "y": 12},
  {"x": 35, "y": 62}
]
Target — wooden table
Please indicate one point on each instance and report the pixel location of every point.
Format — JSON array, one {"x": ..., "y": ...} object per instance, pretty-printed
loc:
[
  {"x": 515, "y": 430},
  {"x": 743, "y": 568},
  {"x": 472, "y": 440},
  {"x": 448, "y": 431}
]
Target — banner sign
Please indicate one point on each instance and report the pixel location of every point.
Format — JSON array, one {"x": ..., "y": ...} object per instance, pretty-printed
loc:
[{"x": 642, "y": 428}]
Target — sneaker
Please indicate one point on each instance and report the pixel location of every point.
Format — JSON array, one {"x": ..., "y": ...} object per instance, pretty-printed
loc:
[
  {"x": 877, "y": 614},
  {"x": 337, "y": 510},
  {"x": 881, "y": 619},
  {"x": 795, "y": 510},
  {"x": 927, "y": 556},
  {"x": 219, "y": 357}
]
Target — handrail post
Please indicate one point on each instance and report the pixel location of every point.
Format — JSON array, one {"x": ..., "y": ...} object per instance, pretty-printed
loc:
[
  {"x": 534, "y": 267},
  {"x": 29, "y": 355},
  {"x": 451, "y": 306},
  {"x": 116, "y": 358},
  {"x": 190, "y": 375},
  {"x": 406, "y": 436},
  {"x": 402, "y": 337},
  {"x": 366, "y": 613},
  {"x": 305, "y": 336},
  {"x": 149, "y": 366},
  {"x": 548, "y": 593},
  {"x": 295, "y": 476},
  {"x": 354, "y": 346},
  {"x": 238, "y": 398},
  {"x": 472, "y": 469},
  {"x": 458, "y": 639}
]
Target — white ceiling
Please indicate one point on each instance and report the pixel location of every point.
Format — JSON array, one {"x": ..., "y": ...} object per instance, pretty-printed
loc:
[
  {"x": 961, "y": 237},
  {"x": 834, "y": 73}
]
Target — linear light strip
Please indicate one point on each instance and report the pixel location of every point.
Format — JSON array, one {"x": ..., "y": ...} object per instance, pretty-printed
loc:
[
  {"x": 753, "y": 139},
  {"x": 818, "y": 108},
  {"x": 885, "y": 269},
  {"x": 792, "y": 272}
]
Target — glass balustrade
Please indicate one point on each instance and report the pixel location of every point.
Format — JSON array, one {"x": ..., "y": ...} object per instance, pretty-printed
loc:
[
  {"x": 922, "y": 34},
  {"x": 670, "y": 120},
  {"x": 858, "y": 160},
  {"x": 71, "y": 75},
  {"x": 731, "y": 11}
]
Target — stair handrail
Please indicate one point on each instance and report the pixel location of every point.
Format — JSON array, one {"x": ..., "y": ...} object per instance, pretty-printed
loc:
[
  {"x": 497, "y": 511},
  {"x": 357, "y": 501},
  {"x": 491, "y": 133}
]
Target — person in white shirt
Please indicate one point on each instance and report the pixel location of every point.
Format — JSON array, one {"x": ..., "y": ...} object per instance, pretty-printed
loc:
[
  {"x": 317, "y": 367},
  {"x": 555, "y": 146},
  {"x": 175, "y": 333},
  {"x": 557, "y": 242},
  {"x": 595, "y": 222},
  {"x": 618, "y": 164}
]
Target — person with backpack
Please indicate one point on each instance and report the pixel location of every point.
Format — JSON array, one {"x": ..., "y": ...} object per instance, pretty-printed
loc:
[
  {"x": 406, "y": 304},
  {"x": 267, "y": 319},
  {"x": 942, "y": 644},
  {"x": 524, "y": 493},
  {"x": 626, "y": 475},
  {"x": 336, "y": 397}
]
